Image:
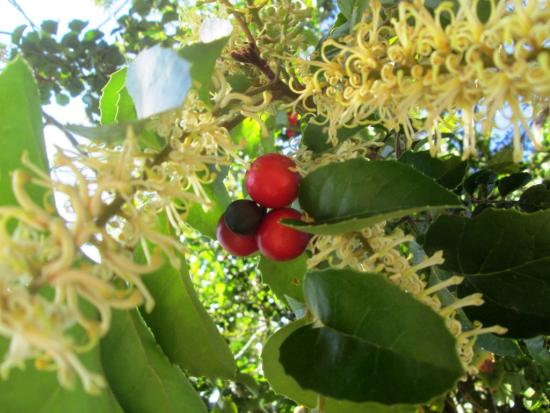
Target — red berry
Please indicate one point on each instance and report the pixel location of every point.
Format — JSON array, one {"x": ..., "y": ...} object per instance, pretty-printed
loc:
[
  {"x": 277, "y": 241},
  {"x": 270, "y": 182},
  {"x": 292, "y": 118},
  {"x": 240, "y": 245},
  {"x": 289, "y": 133}
]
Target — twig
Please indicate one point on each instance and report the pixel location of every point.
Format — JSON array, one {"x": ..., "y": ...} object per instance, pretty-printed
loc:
[
  {"x": 114, "y": 207},
  {"x": 240, "y": 20},
  {"x": 321, "y": 404},
  {"x": 50, "y": 120},
  {"x": 20, "y": 10}
]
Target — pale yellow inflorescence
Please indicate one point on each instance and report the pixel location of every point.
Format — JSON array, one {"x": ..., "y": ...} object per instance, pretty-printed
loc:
[
  {"x": 43, "y": 253},
  {"x": 389, "y": 67},
  {"x": 375, "y": 249}
]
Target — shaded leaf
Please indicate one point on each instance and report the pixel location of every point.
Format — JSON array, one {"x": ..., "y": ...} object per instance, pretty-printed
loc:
[
  {"x": 140, "y": 375},
  {"x": 512, "y": 182},
  {"x": 315, "y": 137},
  {"x": 501, "y": 346},
  {"x": 284, "y": 384},
  {"x": 535, "y": 198},
  {"x": 206, "y": 221},
  {"x": 484, "y": 178},
  {"x": 285, "y": 278},
  {"x": 503, "y": 162},
  {"x": 20, "y": 127},
  {"x": 448, "y": 171},
  {"x": 182, "y": 326},
  {"x": 375, "y": 342},
  {"x": 349, "y": 195},
  {"x": 505, "y": 255},
  {"x": 49, "y": 26},
  {"x": 77, "y": 25},
  {"x": 17, "y": 33},
  {"x": 203, "y": 57}
]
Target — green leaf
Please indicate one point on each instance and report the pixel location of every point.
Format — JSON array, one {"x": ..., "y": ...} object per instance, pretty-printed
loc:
[
  {"x": 248, "y": 134},
  {"x": 115, "y": 103},
  {"x": 448, "y": 171},
  {"x": 140, "y": 375},
  {"x": 77, "y": 25},
  {"x": 372, "y": 342},
  {"x": 203, "y": 57},
  {"x": 206, "y": 222},
  {"x": 49, "y": 26},
  {"x": 538, "y": 350},
  {"x": 284, "y": 384},
  {"x": 350, "y": 195},
  {"x": 285, "y": 278},
  {"x": 47, "y": 394},
  {"x": 505, "y": 255},
  {"x": 353, "y": 9},
  {"x": 158, "y": 80},
  {"x": 17, "y": 33},
  {"x": 181, "y": 325},
  {"x": 501, "y": 346},
  {"x": 93, "y": 35},
  {"x": 535, "y": 198},
  {"x": 512, "y": 182},
  {"x": 110, "y": 133},
  {"x": 315, "y": 137},
  {"x": 20, "y": 127},
  {"x": 503, "y": 162}
]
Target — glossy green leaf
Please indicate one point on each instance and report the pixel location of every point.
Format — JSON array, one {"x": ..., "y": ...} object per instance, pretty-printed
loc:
[
  {"x": 181, "y": 325},
  {"x": 140, "y": 375},
  {"x": 115, "y": 103},
  {"x": 285, "y": 278},
  {"x": 505, "y": 255},
  {"x": 203, "y": 57},
  {"x": 350, "y": 195},
  {"x": 448, "y": 171},
  {"x": 284, "y": 384},
  {"x": 20, "y": 127},
  {"x": 372, "y": 342}
]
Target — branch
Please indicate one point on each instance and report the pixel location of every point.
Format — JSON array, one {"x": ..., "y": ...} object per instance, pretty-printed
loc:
[
  {"x": 20, "y": 10},
  {"x": 50, "y": 120}
]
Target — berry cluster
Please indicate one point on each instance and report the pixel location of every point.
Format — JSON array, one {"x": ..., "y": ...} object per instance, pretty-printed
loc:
[{"x": 246, "y": 226}]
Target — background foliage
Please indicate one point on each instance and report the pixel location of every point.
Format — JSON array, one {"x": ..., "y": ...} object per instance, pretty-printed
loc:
[{"x": 515, "y": 370}]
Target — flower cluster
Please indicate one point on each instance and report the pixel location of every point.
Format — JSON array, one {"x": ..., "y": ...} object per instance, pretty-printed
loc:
[
  {"x": 433, "y": 64},
  {"x": 112, "y": 196}
]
